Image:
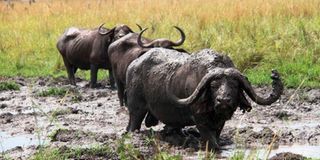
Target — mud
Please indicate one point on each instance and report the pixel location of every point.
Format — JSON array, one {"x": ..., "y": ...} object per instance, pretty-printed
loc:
[
  {"x": 86, "y": 117},
  {"x": 287, "y": 155}
]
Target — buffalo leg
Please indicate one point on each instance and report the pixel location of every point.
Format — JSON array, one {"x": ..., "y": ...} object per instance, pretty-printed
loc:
[
  {"x": 244, "y": 104},
  {"x": 209, "y": 129},
  {"x": 137, "y": 109},
  {"x": 93, "y": 75},
  {"x": 151, "y": 120},
  {"x": 209, "y": 136},
  {"x": 75, "y": 70},
  {"x": 220, "y": 126},
  {"x": 111, "y": 79},
  {"x": 120, "y": 93},
  {"x": 136, "y": 119},
  {"x": 137, "y": 112},
  {"x": 70, "y": 70}
]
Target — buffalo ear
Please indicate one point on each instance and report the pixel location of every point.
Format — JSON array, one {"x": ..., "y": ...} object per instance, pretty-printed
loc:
[
  {"x": 111, "y": 32},
  {"x": 244, "y": 104}
]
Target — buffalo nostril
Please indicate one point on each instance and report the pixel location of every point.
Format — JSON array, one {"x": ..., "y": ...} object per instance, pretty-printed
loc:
[
  {"x": 225, "y": 100},
  {"x": 219, "y": 99}
]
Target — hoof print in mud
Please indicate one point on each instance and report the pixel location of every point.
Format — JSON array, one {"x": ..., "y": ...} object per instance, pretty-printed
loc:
[
  {"x": 314, "y": 138},
  {"x": 3, "y": 106},
  {"x": 6, "y": 118},
  {"x": 285, "y": 115}
]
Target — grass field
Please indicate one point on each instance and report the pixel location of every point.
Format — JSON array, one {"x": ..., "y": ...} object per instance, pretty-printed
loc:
[{"x": 259, "y": 35}]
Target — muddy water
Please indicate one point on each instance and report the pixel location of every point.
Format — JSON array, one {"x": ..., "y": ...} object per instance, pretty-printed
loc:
[
  {"x": 305, "y": 150},
  {"x": 96, "y": 118},
  {"x": 8, "y": 142}
]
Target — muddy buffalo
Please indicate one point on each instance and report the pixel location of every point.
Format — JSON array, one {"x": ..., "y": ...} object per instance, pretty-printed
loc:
[
  {"x": 180, "y": 90},
  {"x": 87, "y": 49},
  {"x": 126, "y": 49}
]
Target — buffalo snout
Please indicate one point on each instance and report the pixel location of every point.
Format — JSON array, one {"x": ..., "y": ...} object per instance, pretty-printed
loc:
[{"x": 223, "y": 100}]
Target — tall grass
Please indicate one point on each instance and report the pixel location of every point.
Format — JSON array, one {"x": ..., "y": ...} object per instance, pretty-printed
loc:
[{"x": 259, "y": 35}]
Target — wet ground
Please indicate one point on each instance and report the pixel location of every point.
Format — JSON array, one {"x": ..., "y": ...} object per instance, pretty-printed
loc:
[{"x": 84, "y": 117}]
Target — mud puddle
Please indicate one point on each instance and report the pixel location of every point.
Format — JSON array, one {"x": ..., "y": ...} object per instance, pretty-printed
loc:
[
  {"x": 86, "y": 117},
  {"x": 8, "y": 142},
  {"x": 305, "y": 150}
]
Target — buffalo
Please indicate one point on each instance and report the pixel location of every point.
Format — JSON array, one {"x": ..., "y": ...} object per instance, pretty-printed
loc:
[
  {"x": 126, "y": 49},
  {"x": 87, "y": 49},
  {"x": 179, "y": 89}
]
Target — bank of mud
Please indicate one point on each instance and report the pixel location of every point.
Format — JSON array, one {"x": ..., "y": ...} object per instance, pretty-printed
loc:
[{"x": 85, "y": 117}]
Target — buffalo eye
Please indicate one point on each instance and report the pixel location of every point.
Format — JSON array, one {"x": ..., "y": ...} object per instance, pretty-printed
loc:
[{"x": 215, "y": 84}]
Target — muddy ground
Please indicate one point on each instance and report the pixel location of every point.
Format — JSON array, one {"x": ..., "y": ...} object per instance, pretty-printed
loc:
[{"x": 87, "y": 117}]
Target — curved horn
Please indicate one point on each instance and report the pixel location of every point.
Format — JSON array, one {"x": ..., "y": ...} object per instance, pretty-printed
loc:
[
  {"x": 197, "y": 92},
  {"x": 140, "y": 28},
  {"x": 102, "y": 32},
  {"x": 162, "y": 42},
  {"x": 182, "y": 39},
  {"x": 149, "y": 45},
  {"x": 277, "y": 89}
]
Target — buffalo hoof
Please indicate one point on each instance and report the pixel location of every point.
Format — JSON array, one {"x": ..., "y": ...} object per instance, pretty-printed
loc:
[
  {"x": 113, "y": 87},
  {"x": 192, "y": 131},
  {"x": 211, "y": 146},
  {"x": 72, "y": 83},
  {"x": 95, "y": 85},
  {"x": 169, "y": 130},
  {"x": 246, "y": 109}
]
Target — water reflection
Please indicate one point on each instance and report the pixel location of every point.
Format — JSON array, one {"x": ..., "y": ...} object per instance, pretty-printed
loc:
[
  {"x": 304, "y": 150},
  {"x": 8, "y": 142}
]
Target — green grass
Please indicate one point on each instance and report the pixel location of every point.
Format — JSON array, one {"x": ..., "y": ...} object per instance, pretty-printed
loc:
[
  {"x": 123, "y": 149},
  {"x": 4, "y": 86},
  {"x": 53, "y": 91},
  {"x": 58, "y": 112},
  {"x": 101, "y": 151},
  {"x": 238, "y": 155},
  {"x": 258, "y": 35},
  {"x": 48, "y": 154}
]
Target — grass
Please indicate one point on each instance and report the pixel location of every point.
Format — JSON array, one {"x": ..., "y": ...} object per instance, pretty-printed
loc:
[
  {"x": 102, "y": 151},
  {"x": 5, "y": 86},
  {"x": 53, "y": 91},
  {"x": 258, "y": 35},
  {"x": 123, "y": 149}
]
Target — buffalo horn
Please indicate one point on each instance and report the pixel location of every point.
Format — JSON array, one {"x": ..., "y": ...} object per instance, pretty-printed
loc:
[
  {"x": 197, "y": 92},
  {"x": 102, "y": 32},
  {"x": 277, "y": 89},
  {"x": 140, "y": 41},
  {"x": 162, "y": 42},
  {"x": 182, "y": 39},
  {"x": 140, "y": 28}
]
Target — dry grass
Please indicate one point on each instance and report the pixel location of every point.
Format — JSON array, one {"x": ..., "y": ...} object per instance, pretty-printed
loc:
[{"x": 257, "y": 34}]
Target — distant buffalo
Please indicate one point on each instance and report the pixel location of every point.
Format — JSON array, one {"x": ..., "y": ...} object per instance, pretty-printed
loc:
[
  {"x": 87, "y": 49},
  {"x": 126, "y": 49},
  {"x": 179, "y": 89}
]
